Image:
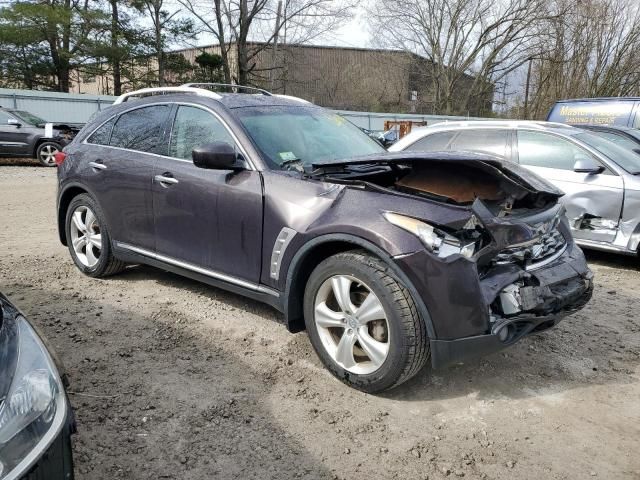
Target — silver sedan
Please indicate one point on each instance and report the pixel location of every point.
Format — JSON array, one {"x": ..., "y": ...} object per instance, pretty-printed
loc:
[{"x": 600, "y": 179}]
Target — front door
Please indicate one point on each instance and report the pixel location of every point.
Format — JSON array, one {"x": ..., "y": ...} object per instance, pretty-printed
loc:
[
  {"x": 593, "y": 201},
  {"x": 14, "y": 135},
  {"x": 210, "y": 219}
]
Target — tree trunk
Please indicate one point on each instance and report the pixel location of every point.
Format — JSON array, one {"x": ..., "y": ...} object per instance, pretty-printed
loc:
[
  {"x": 158, "y": 43},
  {"x": 115, "y": 34},
  {"x": 243, "y": 55}
]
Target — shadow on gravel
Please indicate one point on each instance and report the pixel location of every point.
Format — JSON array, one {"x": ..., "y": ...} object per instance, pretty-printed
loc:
[
  {"x": 579, "y": 352},
  {"x": 159, "y": 397},
  {"x": 138, "y": 273}
]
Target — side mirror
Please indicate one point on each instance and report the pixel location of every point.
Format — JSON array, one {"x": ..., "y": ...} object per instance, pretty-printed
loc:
[
  {"x": 14, "y": 122},
  {"x": 587, "y": 165},
  {"x": 215, "y": 156}
]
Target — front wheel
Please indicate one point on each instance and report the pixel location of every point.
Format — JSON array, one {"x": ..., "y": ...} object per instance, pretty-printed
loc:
[
  {"x": 46, "y": 153},
  {"x": 363, "y": 323}
]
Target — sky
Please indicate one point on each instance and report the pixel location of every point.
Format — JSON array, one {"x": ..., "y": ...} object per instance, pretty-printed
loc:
[{"x": 352, "y": 34}]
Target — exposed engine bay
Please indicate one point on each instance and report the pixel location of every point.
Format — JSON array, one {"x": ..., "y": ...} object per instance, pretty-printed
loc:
[{"x": 503, "y": 188}]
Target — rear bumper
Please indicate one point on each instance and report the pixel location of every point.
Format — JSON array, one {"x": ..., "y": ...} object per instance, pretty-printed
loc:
[{"x": 56, "y": 463}]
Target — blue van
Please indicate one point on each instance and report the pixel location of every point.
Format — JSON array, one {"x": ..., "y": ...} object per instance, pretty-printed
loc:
[{"x": 621, "y": 111}]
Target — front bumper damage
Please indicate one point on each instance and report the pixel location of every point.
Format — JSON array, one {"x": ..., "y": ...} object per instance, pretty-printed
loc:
[{"x": 473, "y": 315}]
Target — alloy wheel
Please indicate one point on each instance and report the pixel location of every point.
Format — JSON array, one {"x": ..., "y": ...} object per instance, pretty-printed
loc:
[
  {"x": 352, "y": 324},
  {"x": 86, "y": 239},
  {"x": 48, "y": 154}
]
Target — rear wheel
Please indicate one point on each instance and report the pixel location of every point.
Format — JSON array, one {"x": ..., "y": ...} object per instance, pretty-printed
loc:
[
  {"x": 88, "y": 238},
  {"x": 46, "y": 153},
  {"x": 363, "y": 323}
]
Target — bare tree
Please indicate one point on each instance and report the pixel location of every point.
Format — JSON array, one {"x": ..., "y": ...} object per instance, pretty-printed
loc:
[
  {"x": 244, "y": 29},
  {"x": 471, "y": 45},
  {"x": 593, "y": 51}
]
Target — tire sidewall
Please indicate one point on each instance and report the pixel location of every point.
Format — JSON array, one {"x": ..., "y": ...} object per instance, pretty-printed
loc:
[
  {"x": 393, "y": 365},
  {"x": 105, "y": 251},
  {"x": 39, "y": 150}
]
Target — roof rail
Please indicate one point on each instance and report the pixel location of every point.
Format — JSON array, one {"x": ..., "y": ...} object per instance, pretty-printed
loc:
[
  {"x": 144, "y": 92},
  {"x": 234, "y": 88}
]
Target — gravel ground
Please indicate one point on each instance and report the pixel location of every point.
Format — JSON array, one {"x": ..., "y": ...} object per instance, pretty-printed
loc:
[{"x": 174, "y": 379}]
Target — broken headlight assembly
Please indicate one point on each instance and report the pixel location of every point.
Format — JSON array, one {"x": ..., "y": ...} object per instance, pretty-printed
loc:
[
  {"x": 33, "y": 404},
  {"x": 434, "y": 239}
]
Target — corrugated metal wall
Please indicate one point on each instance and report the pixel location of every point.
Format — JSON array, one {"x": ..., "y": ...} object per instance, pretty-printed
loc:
[
  {"x": 55, "y": 106},
  {"x": 77, "y": 108}
]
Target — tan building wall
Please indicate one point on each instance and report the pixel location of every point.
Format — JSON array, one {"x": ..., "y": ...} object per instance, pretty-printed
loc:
[{"x": 335, "y": 77}]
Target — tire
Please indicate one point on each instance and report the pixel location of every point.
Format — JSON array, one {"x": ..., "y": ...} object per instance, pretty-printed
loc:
[
  {"x": 45, "y": 153},
  {"x": 400, "y": 345},
  {"x": 84, "y": 234}
]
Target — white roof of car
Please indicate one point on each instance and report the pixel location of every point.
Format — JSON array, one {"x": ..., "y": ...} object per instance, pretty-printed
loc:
[{"x": 420, "y": 132}]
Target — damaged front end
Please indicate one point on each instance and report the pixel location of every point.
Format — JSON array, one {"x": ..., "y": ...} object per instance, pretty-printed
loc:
[{"x": 505, "y": 268}]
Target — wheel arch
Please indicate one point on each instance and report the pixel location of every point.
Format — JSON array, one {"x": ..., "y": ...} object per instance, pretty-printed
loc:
[
  {"x": 317, "y": 250},
  {"x": 64, "y": 200}
]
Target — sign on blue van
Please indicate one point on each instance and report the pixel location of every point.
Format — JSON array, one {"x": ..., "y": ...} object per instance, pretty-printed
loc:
[{"x": 597, "y": 111}]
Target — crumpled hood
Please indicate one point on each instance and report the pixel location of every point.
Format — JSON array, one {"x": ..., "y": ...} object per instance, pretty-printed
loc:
[{"x": 512, "y": 171}]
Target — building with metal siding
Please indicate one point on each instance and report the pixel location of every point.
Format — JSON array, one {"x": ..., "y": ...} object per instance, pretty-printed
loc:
[{"x": 345, "y": 78}]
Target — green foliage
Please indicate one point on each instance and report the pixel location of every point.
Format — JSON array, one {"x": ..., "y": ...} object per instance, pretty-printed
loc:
[{"x": 211, "y": 68}]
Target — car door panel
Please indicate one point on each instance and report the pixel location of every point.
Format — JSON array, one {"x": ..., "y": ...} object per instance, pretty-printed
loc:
[
  {"x": 124, "y": 152},
  {"x": 124, "y": 190},
  {"x": 211, "y": 219},
  {"x": 14, "y": 138},
  {"x": 593, "y": 201}
]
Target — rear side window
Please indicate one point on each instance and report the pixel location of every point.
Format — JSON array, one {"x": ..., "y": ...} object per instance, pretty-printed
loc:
[
  {"x": 194, "y": 127},
  {"x": 493, "y": 142},
  {"x": 142, "y": 129},
  {"x": 102, "y": 135},
  {"x": 543, "y": 150},
  {"x": 436, "y": 142}
]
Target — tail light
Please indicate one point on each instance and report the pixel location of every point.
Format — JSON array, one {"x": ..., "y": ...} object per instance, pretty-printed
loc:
[{"x": 60, "y": 156}]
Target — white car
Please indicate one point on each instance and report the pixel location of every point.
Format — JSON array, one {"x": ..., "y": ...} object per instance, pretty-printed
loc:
[{"x": 600, "y": 179}]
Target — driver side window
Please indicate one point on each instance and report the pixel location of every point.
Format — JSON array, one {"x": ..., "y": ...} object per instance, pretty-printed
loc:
[
  {"x": 194, "y": 127},
  {"x": 539, "y": 149}
]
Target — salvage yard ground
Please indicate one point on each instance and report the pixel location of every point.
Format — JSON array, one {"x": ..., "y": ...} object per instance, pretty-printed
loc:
[{"x": 174, "y": 379}]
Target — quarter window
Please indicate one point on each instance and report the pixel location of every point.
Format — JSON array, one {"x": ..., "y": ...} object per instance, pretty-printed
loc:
[
  {"x": 436, "y": 142},
  {"x": 543, "y": 150},
  {"x": 194, "y": 127},
  {"x": 493, "y": 142},
  {"x": 141, "y": 129},
  {"x": 102, "y": 135}
]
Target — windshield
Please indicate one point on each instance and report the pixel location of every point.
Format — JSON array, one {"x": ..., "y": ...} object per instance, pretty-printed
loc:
[
  {"x": 620, "y": 139},
  {"x": 305, "y": 134},
  {"x": 623, "y": 156},
  {"x": 29, "y": 118}
]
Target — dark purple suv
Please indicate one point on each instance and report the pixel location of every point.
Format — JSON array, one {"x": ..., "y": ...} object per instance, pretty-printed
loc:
[{"x": 386, "y": 260}]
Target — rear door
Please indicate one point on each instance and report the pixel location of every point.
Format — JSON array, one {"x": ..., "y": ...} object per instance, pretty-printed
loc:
[
  {"x": 593, "y": 201},
  {"x": 118, "y": 167},
  {"x": 206, "y": 219}
]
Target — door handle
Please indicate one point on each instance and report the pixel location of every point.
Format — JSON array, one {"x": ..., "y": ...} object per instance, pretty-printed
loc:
[
  {"x": 98, "y": 165},
  {"x": 165, "y": 180}
]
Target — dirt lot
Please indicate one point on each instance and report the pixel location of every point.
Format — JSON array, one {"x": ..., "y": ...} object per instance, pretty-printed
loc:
[{"x": 174, "y": 379}]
